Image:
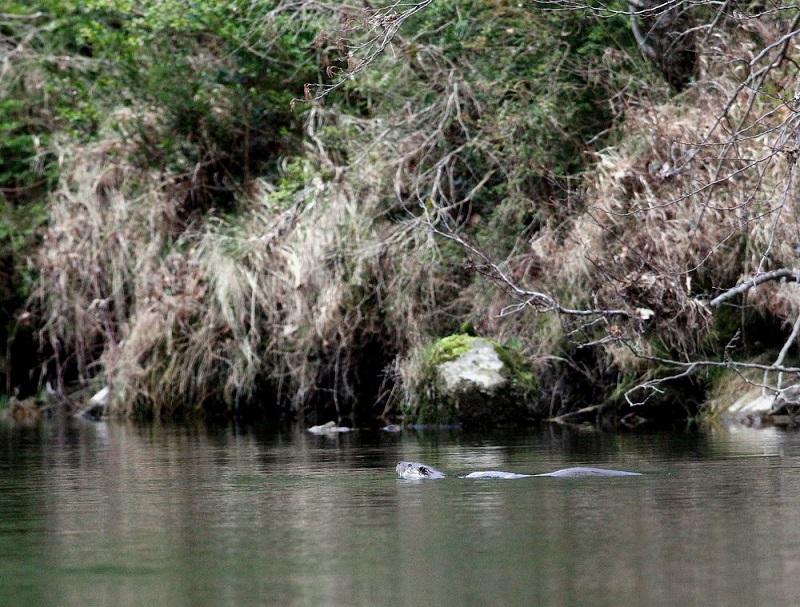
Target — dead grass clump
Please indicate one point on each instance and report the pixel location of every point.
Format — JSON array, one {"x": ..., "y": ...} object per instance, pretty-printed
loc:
[
  {"x": 675, "y": 215},
  {"x": 103, "y": 233},
  {"x": 290, "y": 301},
  {"x": 304, "y": 294}
]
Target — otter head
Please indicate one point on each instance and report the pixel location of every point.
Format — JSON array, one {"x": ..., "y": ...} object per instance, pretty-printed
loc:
[{"x": 416, "y": 471}]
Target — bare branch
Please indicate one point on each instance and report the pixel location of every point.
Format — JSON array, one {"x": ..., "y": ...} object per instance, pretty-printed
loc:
[
  {"x": 784, "y": 350},
  {"x": 380, "y": 27},
  {"x": 537, "y": 300},
  {"x": 654, "y": 385},
  {"x": 784, "y": 273}
]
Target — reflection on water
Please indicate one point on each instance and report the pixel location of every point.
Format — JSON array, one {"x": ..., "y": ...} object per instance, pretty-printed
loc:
[{"x": 131, "y": 515}]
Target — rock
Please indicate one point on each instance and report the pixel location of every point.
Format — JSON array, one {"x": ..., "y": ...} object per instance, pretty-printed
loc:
[
  {"x": 632, "y": 421},
  {"x": 754, "y": 408},
  {"x": 479, "y": 368},
  {"x": 328, "y": 428},
  {"x": 102, "y": 397},
  {"x": 474, "y": 381},
  {"x": 785, "y": 410},
  {"x": 787, "y": 401},
  {"x": 97, "y": 408},
  {"x": 750, "y": 406}
]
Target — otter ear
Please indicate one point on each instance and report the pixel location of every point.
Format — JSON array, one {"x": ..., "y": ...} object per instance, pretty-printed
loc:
[{"x": 424, "y": 471}]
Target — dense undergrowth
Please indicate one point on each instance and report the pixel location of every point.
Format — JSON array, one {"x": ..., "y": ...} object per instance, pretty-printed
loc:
[{"x": 174, "y": 225}]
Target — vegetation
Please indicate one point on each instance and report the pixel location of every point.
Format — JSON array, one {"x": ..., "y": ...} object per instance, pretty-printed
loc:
[{"x": 272, "y": 208}]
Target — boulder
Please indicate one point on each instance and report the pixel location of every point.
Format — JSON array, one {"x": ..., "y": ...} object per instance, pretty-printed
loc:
[
  {"x": 751, "y": 404},
  {"x": 328, "y": 428},
  {"x": 755, "y": 408},
  {"x": 472, "y": 381},
  {"x": 786, "y": 408},
  {"x": 97, "y": 407}
]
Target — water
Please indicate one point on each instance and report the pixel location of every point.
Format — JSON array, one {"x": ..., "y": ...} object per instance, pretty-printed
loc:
[{"x": 118, "y": 514}]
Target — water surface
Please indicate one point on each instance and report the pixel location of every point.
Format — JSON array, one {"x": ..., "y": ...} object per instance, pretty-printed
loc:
[{"x": 98, "y": 514}]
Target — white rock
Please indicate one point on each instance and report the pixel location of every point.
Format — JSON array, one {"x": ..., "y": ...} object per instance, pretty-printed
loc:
[
  {"x": 329, "y": 428},
  {"x": 102, "y": 397},
  {"x": 752, "y": 403},
  {"x": 479, "y": 367}
]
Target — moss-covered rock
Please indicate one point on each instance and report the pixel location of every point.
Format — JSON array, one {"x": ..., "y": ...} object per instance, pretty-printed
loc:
[{"x": 473, "y": 381}]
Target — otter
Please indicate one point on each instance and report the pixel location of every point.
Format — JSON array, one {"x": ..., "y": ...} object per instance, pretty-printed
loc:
[
  {"x": 581, "y": 471},
  {"x": 418, "y": 471},
  {"x": 496, "y": 474}
]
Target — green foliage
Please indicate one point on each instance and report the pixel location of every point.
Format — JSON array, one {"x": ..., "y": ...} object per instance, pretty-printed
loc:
[
  {"x": 518, "y": 365},
  {"x": 20, "y": 145},
  {"x": 18, "y": 226},
  {"x": 544, "y": 77},
  {"x": 219, "y": 76},
  {"x": 447, "y": 349},
  {"x": 290, "y": 180},
  {"x": 534, "y": 95}
]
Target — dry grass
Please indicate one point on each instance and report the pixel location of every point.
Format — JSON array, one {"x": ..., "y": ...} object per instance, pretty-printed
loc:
[
  {"x": 100, "y": 238},
  {"x": 280, "y": 300},
  {"x": 668, "y": 223}
]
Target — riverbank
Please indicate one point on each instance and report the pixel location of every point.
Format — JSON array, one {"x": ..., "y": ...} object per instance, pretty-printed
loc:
[{"x": 209, "y": 245}]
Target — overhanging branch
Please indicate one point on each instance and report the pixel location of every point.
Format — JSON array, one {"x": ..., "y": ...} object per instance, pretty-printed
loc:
[{"x": 790, "y": 275}]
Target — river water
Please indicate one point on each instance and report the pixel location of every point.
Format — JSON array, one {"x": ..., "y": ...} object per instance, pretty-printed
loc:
[{"x": 120, "y": 514}]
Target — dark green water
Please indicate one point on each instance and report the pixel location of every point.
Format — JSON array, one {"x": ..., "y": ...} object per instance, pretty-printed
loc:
[{"x": 115, "y": 514}]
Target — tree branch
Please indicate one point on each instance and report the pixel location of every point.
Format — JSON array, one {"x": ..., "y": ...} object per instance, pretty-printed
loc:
[
  {"x": 791, "y": 275},
  {"x": 541, "y": 302}
]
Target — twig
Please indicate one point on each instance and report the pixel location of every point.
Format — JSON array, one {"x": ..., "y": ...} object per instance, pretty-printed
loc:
[
  {"x": 538, "y": 300},
  {"x": 654, "y": 385}
]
